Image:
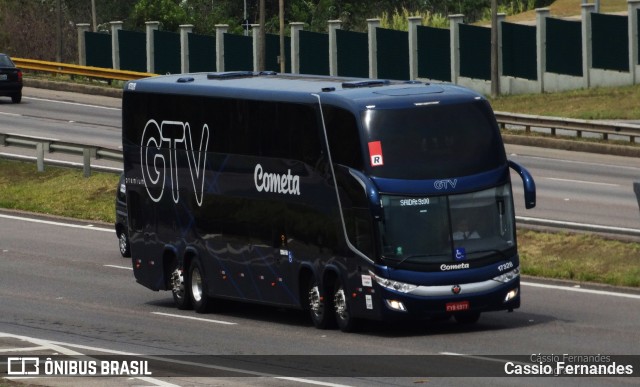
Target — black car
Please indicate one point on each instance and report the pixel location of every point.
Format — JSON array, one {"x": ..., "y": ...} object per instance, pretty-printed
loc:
[
  {"x": 10, "y": 79},
  {"x": 121, "y": 218}
]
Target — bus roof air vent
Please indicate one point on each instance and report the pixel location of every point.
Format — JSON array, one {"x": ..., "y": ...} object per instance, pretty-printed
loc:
[
  {"x": 185, "y": 79},
  {"x": 369, "y": 83},
  {"x": 230, "y": 75}
]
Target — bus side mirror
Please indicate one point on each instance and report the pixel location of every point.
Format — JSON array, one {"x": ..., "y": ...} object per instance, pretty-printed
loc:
[
  {"x": 528, "y": 183},
  {"x": 371, "y": 192}
]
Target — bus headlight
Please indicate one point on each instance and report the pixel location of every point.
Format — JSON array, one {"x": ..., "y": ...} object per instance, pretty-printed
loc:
[
  {"x": 508, "y": 276},
  {"x": 398, "y": 286},
  {"x": 511, "y": 294}
]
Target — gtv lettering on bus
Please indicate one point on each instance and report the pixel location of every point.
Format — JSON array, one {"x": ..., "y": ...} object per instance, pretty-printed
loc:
[{"x": 177, "y": 135}]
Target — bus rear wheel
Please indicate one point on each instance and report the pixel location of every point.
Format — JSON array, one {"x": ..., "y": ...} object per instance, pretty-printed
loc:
[
  {"x": 346, "y": 322},
  {"x": 198, "y": 287},
  {"x": 318, "y": 308},
  {"x": 180, "y": 292}
]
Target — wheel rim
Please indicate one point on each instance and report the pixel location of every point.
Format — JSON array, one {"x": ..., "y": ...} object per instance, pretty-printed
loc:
[
  {"x": 315, "y": 301},
  {"x": 196, "y": 285},
  {"x": 177, "y": 283},
  {"x": 340, "y": 302},
  {"x": 123, "y": 243}
]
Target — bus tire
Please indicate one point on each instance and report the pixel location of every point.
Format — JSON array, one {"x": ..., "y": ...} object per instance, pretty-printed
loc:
[
  {"x": 467, "y": 317},
  {"x": 318, "y": 308},
  {"x": 198, "y": 287},
  {"x": 179, "y": 290},
  {"x": 346, "y": 322}
]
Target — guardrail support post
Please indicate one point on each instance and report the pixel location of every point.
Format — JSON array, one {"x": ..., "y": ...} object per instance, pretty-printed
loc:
[
  {"x": 3, "y": 139},
  {"x": 86, "y": 162},
  {"x": 40, "y": 156},
  {"x": 636, "y": 189}
]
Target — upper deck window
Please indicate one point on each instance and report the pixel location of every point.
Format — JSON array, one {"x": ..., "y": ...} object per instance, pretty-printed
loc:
[{"x": 432, "y": 141}]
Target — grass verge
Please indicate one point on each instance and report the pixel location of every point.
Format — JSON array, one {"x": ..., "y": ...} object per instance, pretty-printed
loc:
[
  {"x": 57, "y": 191},
  {"x": 65, "y": 192}
]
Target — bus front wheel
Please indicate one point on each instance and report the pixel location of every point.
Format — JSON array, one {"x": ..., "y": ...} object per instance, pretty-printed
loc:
[
  {"x": 346, "y": 322},
  {"x": 198, "y": 287}
]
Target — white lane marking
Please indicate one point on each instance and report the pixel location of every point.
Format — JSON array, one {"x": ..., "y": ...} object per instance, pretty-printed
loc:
[
  {"x": 157, "y": 382},
  {"x": 307, "y": 381},
  {"x": 25, "y": 349},
  {"x": 194, "y": 318},
  {"x": 581, "y": 290},
  {"x": 119, "y": 267},
  {"x": 81, "y": 226},
  {"x": 72, "y": 103},
  {"x": 582, "y": 182},
  {"x": 11, "y": 114}
]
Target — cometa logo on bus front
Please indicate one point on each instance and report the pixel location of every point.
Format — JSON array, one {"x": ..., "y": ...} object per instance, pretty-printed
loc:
[{"x": 272, "y": 182}]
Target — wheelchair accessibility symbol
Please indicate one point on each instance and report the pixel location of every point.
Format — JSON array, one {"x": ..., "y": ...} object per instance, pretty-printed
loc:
[{"x": 461, "y": 254}]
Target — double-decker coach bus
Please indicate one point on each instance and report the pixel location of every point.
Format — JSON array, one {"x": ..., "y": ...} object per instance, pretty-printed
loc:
[{"x": 350, "y": 198}]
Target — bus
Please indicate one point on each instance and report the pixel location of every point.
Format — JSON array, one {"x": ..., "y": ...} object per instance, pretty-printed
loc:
[{"x": 352, "y": 199}]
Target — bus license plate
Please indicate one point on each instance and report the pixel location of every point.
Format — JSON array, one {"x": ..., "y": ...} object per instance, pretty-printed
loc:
[{"x": 457, "y": 306}]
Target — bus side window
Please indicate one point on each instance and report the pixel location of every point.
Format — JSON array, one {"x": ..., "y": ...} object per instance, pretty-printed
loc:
[{"x": 343, "y": 136}]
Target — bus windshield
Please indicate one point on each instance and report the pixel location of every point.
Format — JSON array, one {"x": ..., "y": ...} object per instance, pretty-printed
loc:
[
  {"x": 422, "y": 231},
  {"x": 433, "y": 141}
]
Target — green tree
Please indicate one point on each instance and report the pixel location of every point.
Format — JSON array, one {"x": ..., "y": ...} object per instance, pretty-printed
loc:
[{"x": 170, "y": 13}]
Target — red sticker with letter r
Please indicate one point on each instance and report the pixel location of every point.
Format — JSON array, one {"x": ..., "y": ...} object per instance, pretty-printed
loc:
[{"x": 375, "y": 153}]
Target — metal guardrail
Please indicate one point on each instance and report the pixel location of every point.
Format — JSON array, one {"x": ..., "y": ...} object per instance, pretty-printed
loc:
[
  {"x": 604, "y": 128},
  {"x": 71, "y": 69},
  {"x": 48, "y": 145}
]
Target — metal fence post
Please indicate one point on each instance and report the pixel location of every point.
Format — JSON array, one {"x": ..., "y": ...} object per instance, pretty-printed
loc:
[
  {"x": 372, "y": 25},
  {"x": 82, "y": 45},
  {"x": 185, "y": 30},
  {"x": 454, "y": 20},
  {"x": 115, "y": 45},
  {"x": 414, "y": 22},
  {"x": 151, "y": 26},
  {"x": 296, "y": 27},
  {"x": 221, "y": 29}
]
